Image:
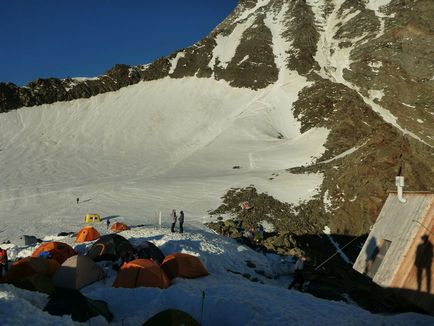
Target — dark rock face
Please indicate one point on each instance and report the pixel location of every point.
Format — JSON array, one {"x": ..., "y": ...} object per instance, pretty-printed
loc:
[
  {"x": 9, "y": 97},
  {"x": 195, "y": 61},
  {"x": 46, "y": 91},
  {"x": 305, "y": 37},
  {"x": 253, "y": 65},
  {"x": 283, "y": 216}
]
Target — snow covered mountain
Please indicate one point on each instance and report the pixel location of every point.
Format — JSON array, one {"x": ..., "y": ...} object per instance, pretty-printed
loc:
[
  {"x": 319, "y": 103},
  {"x": 312, "y": 106}
]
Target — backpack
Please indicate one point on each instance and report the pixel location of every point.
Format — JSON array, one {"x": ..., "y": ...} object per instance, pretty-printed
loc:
[{"x": 45, "y": 254}]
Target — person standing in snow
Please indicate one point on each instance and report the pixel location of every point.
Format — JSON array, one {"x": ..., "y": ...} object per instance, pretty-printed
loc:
[
  {"x": 78, "y": 199},
  {"x": 108, "y": 223},
  {"x": 3, "y": 261},
  {"x": 298, "y": 274},
  {"x": 181, "y": 221},
  {"x": 173, "y": 215}
]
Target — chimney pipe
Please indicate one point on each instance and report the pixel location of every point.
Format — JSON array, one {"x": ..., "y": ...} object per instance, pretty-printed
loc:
[{"x": 399, "y": 182}]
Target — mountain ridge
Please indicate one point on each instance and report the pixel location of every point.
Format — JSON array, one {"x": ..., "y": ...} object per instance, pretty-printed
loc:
[{"x": 359, "y": 69}]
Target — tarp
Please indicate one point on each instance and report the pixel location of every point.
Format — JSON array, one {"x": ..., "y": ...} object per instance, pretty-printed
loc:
[
  {"x": 60, "y": 251},
  {"x": 38, "y": 282},
  {"x": 77, "y": 272},
  {"x": 171, "y": 317},
  {"x": 88, "y": 233},
  {"x": 73, "y": 303},
  {"x": 147, "y": 250},
  {"x": 141, "y": 272},
  {"x": 183, "y": 265},
  {"x": 110, "y": 247}
]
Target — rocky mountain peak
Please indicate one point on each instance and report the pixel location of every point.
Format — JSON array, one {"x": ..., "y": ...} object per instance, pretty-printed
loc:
[{"x": 369, "y": 70}]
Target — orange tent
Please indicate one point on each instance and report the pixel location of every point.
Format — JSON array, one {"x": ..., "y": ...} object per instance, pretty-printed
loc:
[
  {"x": 60, "y": 251},
  {"x": 87, "y": 233},
  {"x": 141, "y": 272},
  {"x": 183, "y": 265},
  {"x": 29, "y": 266},
  {"x": 118, "y": 227}
]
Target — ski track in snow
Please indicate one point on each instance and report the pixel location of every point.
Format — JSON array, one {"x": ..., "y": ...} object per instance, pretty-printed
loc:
[{"x": 343, "y": 154}]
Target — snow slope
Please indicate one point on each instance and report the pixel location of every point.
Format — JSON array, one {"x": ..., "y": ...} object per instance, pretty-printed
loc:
[
  {"x": 155, "y": 146},
  {"x": 148, "y": 148}
]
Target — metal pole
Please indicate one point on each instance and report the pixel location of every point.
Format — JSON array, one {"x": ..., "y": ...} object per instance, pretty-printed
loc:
[{"x": 335, "y": 253}]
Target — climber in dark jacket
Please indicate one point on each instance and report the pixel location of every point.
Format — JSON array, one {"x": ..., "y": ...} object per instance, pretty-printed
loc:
[
  {"x": 181, "y": 221},
  {"x": 174, "y": 218},
  {"x": 298, "y": 274}
]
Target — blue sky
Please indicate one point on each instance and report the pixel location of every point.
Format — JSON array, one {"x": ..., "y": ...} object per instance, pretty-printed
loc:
[{"x": 84, "y": 38}]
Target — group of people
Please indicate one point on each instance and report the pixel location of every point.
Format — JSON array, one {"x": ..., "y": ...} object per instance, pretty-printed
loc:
[
  {"x": 180, "y": 219},
  {"x": 255, "y": 235}
]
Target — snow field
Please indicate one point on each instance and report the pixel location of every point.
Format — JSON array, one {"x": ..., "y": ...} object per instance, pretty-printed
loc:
[{"x": 148, "y": 148}]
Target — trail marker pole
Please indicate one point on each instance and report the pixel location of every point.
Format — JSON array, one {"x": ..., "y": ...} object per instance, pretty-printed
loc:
[{"x": 201, "y": 309}]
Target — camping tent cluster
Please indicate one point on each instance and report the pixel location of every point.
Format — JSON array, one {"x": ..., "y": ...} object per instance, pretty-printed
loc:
[
  {"x": 55, "y": 268},
  {"x": 144, "y": 265}
]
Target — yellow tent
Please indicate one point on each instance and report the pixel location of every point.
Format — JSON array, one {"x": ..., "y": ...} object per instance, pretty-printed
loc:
[{"x": 88, "y": 218}]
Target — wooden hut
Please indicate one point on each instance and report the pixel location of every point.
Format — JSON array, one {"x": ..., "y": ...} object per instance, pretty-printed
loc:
[{"x": 398, "y": 252}]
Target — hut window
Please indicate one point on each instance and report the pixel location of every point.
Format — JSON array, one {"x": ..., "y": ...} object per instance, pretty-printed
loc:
[{"x": 377, "y": 257}]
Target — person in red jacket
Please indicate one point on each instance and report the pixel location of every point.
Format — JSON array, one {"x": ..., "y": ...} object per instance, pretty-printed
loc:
[{"x": 3, "y": 261}]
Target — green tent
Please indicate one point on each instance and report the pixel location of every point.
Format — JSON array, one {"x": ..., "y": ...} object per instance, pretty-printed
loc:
[
  {"x": 171, "y": 317},
  {"x": 147, "y": 250},
  {"x": 72, "y": 302},
  {"x": 110, "y": 247}
]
